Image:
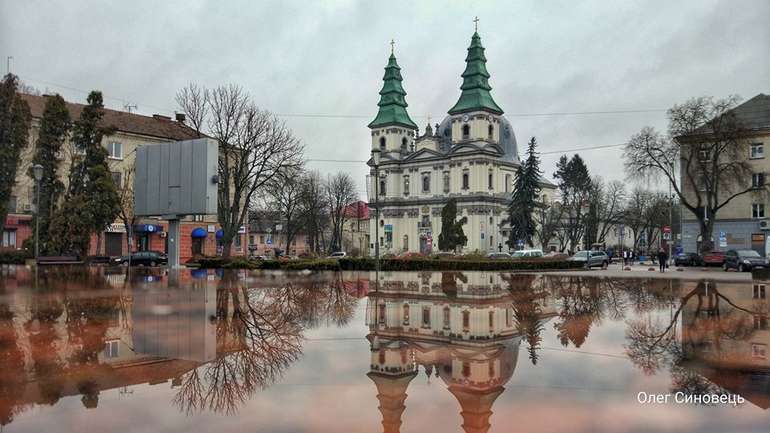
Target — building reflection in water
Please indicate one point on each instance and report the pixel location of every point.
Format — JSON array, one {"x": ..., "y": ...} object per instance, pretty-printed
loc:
[
  {"x": 465, "y": 329},
  {"x": 217, "y": 337}
]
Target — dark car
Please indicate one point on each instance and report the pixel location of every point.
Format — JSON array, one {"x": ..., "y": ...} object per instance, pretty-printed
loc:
[
  {"x": 688, "y": 259},
  {"x": 143, "y": 258},
  {"x": 744, "y": 260}
]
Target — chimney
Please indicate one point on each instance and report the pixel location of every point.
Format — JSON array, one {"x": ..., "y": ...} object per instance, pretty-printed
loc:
[{"x": 180, "y": 117}]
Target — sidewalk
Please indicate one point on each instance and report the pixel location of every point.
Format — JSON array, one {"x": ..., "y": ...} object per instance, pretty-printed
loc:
[{"x": 642, "y": 271}]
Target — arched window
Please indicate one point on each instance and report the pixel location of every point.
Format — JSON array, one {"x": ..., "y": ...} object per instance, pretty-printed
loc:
[
  {"x": 403, "y": 144},
  {"x": 490, "y": 182},
  {"x": 406, "y": 243},
  {"x": 426, "y": 183},
  {"x": 466, "y": 320},
  {"x": 491, "y": 131},
  {"x": 491, "y": 321},
  {"x": 382, "y": 143},
  {"x": 446, "y": 181},
  {"x": 406, "y": 314},
  {"x": 446, "y": 318},
  {"x": 466, "y": 180},
  {"x": 406, "y": 184},
  {"x": 466, "y": 132},
  {"x": 382, "y": 186}
]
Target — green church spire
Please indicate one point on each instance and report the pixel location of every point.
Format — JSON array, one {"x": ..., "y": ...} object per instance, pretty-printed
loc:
[
  {"x": 476, "y": 96},
  {"x": 392, "y": 102}
]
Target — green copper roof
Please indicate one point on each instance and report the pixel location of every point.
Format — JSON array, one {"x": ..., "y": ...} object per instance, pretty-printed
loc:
[
  {"x": 392, "y": 102},
  {"x": 476, "y": 96}
]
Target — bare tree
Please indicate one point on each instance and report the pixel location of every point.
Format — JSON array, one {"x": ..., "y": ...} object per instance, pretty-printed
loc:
[
  {"x": 283, "y": 195},
  {"x": 547, "y": 220},
  {"x": 706, "y": 148},
  {"x": 606, "y": 202},
  {"x": 314, "y": 209},
  {"x": 125, "y": 190},
  {"x": 341, "y": 191},
  {"x": 254, "y": 147}
]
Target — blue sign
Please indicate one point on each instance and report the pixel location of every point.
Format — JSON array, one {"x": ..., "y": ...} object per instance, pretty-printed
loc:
[{"x": 520, "y": 243}]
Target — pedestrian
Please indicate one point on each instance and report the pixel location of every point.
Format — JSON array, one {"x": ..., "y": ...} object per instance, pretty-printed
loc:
[
  {"x": 662, "y": 259},
  {"x": 625, "y": 258}
]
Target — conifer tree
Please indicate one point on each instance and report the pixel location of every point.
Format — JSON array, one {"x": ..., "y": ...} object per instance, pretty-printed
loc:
[
  {"x": 452, "y": 235},
  {"x": 54, "y": 128},
  {"x": 14, "y": 133},
  {"x": 524, "y": 199},
  {"x": 92, "y": 201}
]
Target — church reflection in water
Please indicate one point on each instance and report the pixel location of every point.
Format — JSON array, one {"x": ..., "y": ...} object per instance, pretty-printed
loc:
[
  {"x": 465, "y": 329},
  {"x": 218, "y": 338}
]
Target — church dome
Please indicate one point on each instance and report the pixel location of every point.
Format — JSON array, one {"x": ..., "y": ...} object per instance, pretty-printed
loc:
[{"x": 507, "y": 138}]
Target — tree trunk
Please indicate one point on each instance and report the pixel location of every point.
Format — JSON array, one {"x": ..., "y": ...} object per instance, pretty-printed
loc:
[{"x": 706, "y": 230}]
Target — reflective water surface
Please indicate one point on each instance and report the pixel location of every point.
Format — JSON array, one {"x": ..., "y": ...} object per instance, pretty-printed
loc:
[{"x": 95, "y": 350}]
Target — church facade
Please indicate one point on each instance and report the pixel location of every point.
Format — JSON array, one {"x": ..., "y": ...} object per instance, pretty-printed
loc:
[{"x": 471, "y": 156}]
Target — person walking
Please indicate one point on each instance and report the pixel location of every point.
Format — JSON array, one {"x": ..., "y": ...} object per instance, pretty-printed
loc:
[{"x": 662, "y": 259}]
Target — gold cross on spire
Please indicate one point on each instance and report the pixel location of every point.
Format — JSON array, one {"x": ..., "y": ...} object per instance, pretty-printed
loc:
[
  {"x": 476, "y": 22},
  {"x": 428, "y": 119},
  {"x": 392, "y": 46}
]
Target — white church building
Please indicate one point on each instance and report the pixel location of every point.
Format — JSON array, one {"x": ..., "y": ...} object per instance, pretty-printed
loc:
[{"x": 471, "y": 155}]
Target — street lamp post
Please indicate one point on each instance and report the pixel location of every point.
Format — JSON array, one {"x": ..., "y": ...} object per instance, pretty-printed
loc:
[
  {"x": 376, "y": 163},
  {"x": 37, "y": 172}
]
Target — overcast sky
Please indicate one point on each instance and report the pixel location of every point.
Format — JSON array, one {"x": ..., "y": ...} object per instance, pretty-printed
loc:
[{"x": 312, "y": 57}]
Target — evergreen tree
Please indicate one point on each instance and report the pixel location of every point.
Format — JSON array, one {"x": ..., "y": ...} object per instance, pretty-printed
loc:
[
  {"x": 54, "y": 127},
  {"x": 452, "y": 235},
  {"x": 92, "y": 201},
  {"x": 14, "y": 133},
  {"x": 575, "y": 185},
  {"x": 524, "y": 200}
]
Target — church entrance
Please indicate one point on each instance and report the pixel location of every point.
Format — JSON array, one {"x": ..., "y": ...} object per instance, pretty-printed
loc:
[{"x": 426, "y": 244}]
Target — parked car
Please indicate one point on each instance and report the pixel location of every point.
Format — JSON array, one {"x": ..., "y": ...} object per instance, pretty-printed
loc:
[
  {"x": 527, "y": 254},
  {"x": 143, "y": 258},
  {"x": 688, "y": 259},
  {"x": 591, "y": 258},
  {"x": 337, "y": 255},
  {"x": 499, "y": 256},
  {"x": 714, "y": 258},
  {"x": 744, "y": 260},
  {"x": 258, "y": 257}
]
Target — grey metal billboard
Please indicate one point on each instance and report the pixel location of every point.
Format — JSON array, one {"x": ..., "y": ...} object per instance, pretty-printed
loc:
[{"x": 176, "y": 179}]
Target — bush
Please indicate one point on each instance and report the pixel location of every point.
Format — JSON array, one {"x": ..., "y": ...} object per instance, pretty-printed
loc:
[{"x": 9, "y": 256}]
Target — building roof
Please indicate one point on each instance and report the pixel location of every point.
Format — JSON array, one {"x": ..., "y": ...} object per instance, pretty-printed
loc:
[
  {"x": 357, "y": 210},
  {"x": 392, "y": 99},
  {"x": 475, "y": 87},
  {"x": 152, "y": 126},
  {"x": 754, "y": 114}
]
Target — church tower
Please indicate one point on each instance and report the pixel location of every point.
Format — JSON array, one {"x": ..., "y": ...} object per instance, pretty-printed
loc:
[
  {"x": 393, "y": 131},
  {"x": 476, "y": 116}
]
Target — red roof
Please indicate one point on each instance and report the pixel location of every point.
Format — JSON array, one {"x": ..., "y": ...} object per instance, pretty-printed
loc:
[
  {"x": 154, "y": 126},
  {"x": 357, "y": 210}
]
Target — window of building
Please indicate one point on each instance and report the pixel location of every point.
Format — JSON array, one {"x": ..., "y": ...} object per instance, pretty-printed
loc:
[
  {"x": 12, "y": 204},
  {"x": 403, "y": 144},
  {"x": 426, "y": 183},
  {"x": 508, "y": 317},
  {"x": 466, "y": 320},
  {"x": 261, "y": 239},
  {"x": 491, "y": 321},
  {"x": 757, "y": 151},
  {"x": 9, "y": 238},
  {"x": 381, "y": 356},
  {"x": 446, "y": 318},
  {"x": 406, "y": 314},
  {"x": 406, "y": 185},
  {"x": 466, "y": 180},
  {"x": 238, "y": 242},
  {"x": 115, "y": 150},
  {"x": 757, "y": 210},
  {"x": 489, "y": 180},
  {"x": 446, "y": 181},
  {"x": 759, "y": 351},
  {"x": 508, "y": 183},
  {"x": 406, "y": 242},
  {"x": 490, "y": 131},
  {"x": 466, "y": 369},
  {"x": 112, "y": 349},
  {"x": 117, "y": 179},
  {"x": 382, "y": 186},
  {"x": 426, "y": 317},
  {"x": 491, "y": 371},
  {"x": 382, "y": 143},
  {"x": 758, "y": 180},
  {"x": 760, "y": 322},
  {"x": 466, "y": 132},
  {"x": 759, "y": 291},
  {"x": 381, "y": 315}
]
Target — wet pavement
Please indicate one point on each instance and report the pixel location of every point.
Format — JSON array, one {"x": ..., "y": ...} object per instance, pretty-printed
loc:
[{"x": 97, "y": 350}]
